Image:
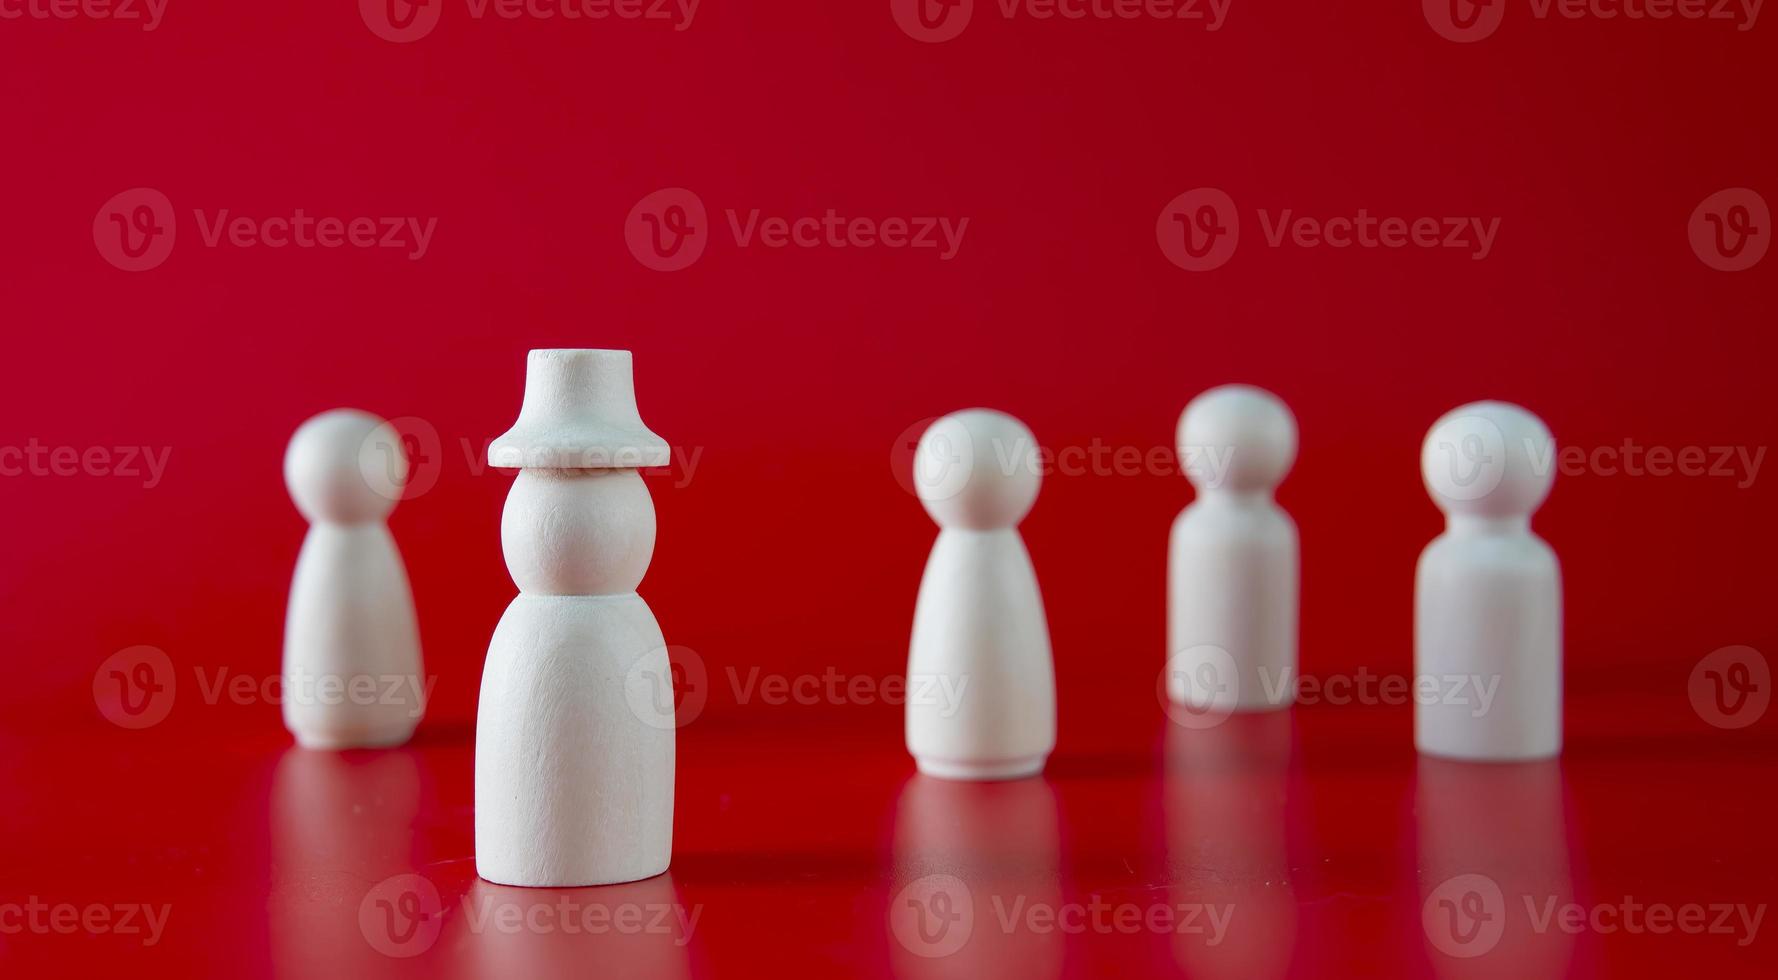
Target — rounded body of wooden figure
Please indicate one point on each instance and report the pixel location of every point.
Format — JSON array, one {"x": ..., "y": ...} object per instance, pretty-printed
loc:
[
  {"x": 1232, "y": 571},
  {"x": 352, "y": 672},
  {"x": 573, "y": 784},
  {"x": 981, "y": 695}
]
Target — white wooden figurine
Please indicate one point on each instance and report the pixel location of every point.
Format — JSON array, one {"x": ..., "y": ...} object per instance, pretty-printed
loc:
[
  {"x": 1232, "y": 557},
  {"x": 981, "y": 698},
  {"x": 1488, "y": 592},
  {"x": 574, "y": 770},
  {"x": 352, "y": 671}
]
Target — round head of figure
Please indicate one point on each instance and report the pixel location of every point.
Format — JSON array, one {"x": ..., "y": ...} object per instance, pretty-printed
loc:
[
  {"x": 345, "y": 467},
  {"x": 1236, "y": 437},
  {"x": 1488, "y": 459},
  {"x": 977, "y": 469}
]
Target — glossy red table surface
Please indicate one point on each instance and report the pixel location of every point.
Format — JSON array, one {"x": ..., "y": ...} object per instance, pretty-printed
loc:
[{"x": 1304, "y": 843}]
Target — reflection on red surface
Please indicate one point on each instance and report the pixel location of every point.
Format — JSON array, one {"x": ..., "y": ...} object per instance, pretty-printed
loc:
[
  {"x": 342, "y": 863},
  {"x": 978, "y": 879},
  {"x": 352, "y": 893},
  {"x": 1493, "y": 844},
  {"x": 636, "y": 929},
  {"x": 1225, "y": 796},
  {"x": 1321, "y": 828}
]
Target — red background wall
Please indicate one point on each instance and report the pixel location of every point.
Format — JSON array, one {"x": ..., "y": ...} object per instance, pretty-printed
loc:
[{"x": 793, "y": 372}]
